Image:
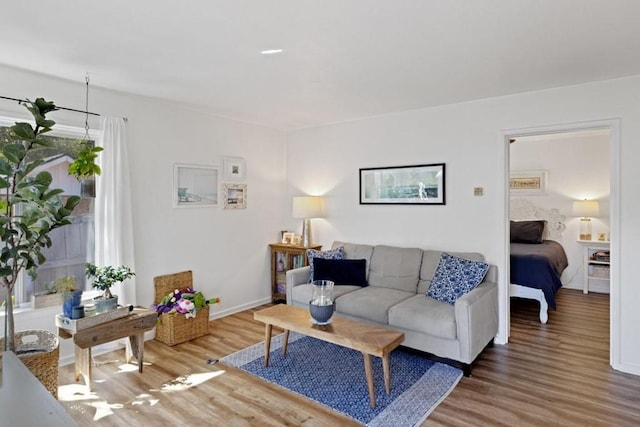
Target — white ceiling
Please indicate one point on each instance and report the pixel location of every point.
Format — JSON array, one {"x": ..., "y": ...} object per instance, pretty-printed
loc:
[{"x": 342, "y": 59}]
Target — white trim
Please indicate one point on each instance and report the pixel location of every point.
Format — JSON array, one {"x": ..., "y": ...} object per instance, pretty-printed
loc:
[{"x": 614, "y": 306}]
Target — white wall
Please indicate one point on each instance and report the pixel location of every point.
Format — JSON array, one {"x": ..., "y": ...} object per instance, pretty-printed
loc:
[
  {"x": 226, "y": 249},
  {"x": 469, "y": 138},
  {"x": 577, "y": 165}
]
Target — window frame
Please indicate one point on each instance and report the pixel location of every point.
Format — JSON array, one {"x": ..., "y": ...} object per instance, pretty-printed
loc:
[{"x": 64, "y": 131}]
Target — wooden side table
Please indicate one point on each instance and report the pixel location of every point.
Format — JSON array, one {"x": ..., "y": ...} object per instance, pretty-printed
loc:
[
  {"x": 133, "y": 326},
  {"x": 285, "y": 257}
]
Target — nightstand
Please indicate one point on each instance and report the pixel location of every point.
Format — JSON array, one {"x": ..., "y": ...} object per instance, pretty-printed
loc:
[{"x": 596, "y": 263}]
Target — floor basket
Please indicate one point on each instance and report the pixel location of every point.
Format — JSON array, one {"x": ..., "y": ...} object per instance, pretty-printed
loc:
[
  {"x": 39, "y": 351},
  {"x": 175, "y": 328}
]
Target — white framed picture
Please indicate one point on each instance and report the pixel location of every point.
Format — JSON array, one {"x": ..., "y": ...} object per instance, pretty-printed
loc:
[
  {"x": 287, "y": 238},
  {"x": 235, "y": 196},
  {"x": 234, "y": 168},
  {"x": 531, "y": 182},
  {"x": 195, "y": 185}
]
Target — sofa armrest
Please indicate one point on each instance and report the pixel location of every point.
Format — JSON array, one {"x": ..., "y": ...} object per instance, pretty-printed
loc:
[
  {"x": 476, "y": 319},
  {"x": 295, "y": 277}
]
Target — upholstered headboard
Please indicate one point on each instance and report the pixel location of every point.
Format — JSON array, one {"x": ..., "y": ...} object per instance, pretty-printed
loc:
[{"x": 523, "y": 210}]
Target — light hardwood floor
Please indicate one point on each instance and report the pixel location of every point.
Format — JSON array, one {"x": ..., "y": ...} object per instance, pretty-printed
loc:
[{"x": 556, "y": 374}]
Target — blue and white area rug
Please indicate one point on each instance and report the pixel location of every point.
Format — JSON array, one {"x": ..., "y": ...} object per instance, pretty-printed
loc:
[{"x": 334, "y": 376}]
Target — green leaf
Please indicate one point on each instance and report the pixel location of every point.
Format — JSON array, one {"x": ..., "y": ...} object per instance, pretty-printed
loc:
[
  {"x": 14, "y": 152},
  {"x": 5, "y": 168},
  {"x": 30, "y": 167},
  {"x": 45, "y": 106},
  {"x": 5, "y": 271},
  {"x": 72, "y": 202},
  {"x": 43, "y": 179},
  {"x": 52, "y": 193},
  {"x": 23, "y": 132},
  {"x": 4, "y": 183},
  {"x": 44, "y": 142}
]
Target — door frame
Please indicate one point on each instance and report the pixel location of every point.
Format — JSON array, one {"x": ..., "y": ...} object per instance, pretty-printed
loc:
[{"x": 613, "y": 125}]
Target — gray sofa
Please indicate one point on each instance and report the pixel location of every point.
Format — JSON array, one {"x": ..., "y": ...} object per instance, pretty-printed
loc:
[{"x": 398, "y": 279}]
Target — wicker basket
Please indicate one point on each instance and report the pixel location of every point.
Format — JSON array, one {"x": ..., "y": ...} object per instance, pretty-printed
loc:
[
  {"x": 39, "y": 351},
  {"x": 175, "y": 328}
]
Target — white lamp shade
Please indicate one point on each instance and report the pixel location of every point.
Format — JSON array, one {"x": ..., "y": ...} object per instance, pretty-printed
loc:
[
  {"x": 586, "y": 208},
  {"x": 307, "y": 207}
]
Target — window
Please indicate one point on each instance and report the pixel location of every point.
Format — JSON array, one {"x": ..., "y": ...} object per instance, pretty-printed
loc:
[{"x": 72, "y": 245}]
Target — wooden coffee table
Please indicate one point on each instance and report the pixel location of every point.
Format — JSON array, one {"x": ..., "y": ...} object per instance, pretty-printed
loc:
[{"x": 368, "y": 339}]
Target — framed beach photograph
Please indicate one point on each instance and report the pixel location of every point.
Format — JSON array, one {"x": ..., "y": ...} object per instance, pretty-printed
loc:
[
  {"x": 234, "y": 168},
  {"x": 403, "y": 185},
  {"x": 195, "y": 185},
  {"x": 235, "y": 196},
  {"x": 532, "y": 182}
]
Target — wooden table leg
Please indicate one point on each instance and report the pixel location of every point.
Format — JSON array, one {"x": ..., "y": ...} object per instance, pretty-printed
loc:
[
  {"x": 368, "y": 370},
  {"x": 83, "y": 365},
  {"x": 286, "y": 341},
  {"x": 387, "y": 373},
  {"x": 135, "y": 348},
  {"x": 267, "y": 343}
]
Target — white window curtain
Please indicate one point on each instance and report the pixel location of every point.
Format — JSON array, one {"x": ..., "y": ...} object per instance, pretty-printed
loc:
[{"x": 114, "y": 220}]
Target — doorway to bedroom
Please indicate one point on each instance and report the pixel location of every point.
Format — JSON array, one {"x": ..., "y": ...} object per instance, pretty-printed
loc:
[{"x": 562, "y": 177}]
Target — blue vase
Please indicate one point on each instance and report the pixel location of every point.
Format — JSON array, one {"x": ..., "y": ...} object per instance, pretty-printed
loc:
[{"x": 70, "y": 299}]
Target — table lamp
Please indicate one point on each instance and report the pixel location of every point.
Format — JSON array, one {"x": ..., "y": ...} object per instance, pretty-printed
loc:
[
  {"x": 306, "y": 208},
  {"x": 586, "y": 209}
]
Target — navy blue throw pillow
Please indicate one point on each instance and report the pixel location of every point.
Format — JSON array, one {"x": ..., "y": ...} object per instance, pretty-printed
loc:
[{"x": 341, "y": 271}]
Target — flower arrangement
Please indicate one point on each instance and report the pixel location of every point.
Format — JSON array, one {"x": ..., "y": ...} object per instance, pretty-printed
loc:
[{"x": 186, "y": 302}]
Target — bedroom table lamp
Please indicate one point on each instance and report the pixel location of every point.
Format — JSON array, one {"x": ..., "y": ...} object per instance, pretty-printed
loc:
[
  {"x": 306, "y": 208},
  {"x": 586, "y": 209}
]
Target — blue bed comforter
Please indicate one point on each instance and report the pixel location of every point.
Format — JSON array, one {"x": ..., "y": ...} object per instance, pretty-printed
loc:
[{"x": 539, "y": 266}]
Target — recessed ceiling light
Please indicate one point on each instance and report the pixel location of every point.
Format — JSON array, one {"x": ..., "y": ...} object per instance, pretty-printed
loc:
[{"x": 271, "y": 51}]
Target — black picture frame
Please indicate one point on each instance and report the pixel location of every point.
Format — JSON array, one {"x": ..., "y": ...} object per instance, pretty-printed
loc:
[{"x": 403, "y": 185}]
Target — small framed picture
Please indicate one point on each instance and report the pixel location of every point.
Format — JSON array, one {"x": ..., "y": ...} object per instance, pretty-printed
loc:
[
  {"x": 297, "y": 240},
  {"x": 235, "y": 196},
  {"x": 288, "y": 238},
  {"x": 530, "y": 183},
  {"x": 234, "y": 168}
]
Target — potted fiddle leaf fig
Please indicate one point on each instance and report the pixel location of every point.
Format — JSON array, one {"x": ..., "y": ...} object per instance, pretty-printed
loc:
[
  {"x": 29, "y": 208},
  {"x": 103, "y": 279}
]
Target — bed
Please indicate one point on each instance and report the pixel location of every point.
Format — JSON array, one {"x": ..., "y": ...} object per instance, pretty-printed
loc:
[{"x": 536, "y": 259}]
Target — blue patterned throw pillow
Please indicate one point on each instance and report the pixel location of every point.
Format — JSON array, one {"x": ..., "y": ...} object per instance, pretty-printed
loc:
[
  {"x": 455, "y": 277},
  {"x": 337, "y": 253}
]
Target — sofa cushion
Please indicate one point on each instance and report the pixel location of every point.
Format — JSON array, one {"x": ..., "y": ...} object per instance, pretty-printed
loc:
[
  {"x": 355, "y": 251},
  {"x": 426, "y": 315},
  {"x": 430, "y": 261},
  {"x": 455, "y": 277},
  {"x": 371, "y": 303},
  {"x": 301, "y": 294},
  {"x": 337, "y": 253},
  {"x": 395, "y": 268},
  {"x": 341, "y": 271}
]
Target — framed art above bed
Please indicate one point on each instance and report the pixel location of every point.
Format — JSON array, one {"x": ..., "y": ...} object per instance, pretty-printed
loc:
[{"x": 533, "y": 182}]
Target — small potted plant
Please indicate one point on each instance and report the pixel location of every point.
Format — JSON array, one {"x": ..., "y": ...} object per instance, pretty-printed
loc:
[
  {"x": 71, "y": 297},
  {"x": 103, "y": 279},
  {"x": 84, "y": 168},
  {"x": 52, "y": 292}
]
